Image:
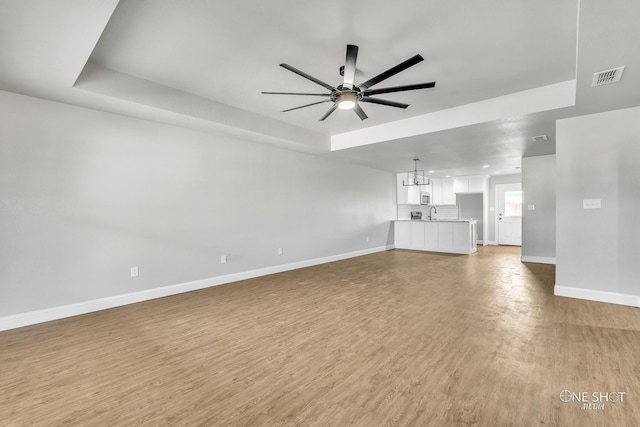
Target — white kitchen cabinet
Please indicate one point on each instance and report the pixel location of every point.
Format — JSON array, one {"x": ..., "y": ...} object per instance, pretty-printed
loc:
[
  {"x": 442, "y": 192},
  {"x": 402, "y": 234},
  {"x": 431, "y": 236},
  {"x": 461, "y": 237},
  {"x": 408, "y": 194},
  {"x": 460, "y": 185},
  {"x": 409, "y": 234},
  {"x": 445, "y": 236},
  {"x": 470, "y": 184},
  {"x": 417, "y": 235},
  {"x": 436, "y": 236},
  {"x": 436, "y": 191},
  {"x": 448, "y": 195},
  {"x": 476, "y": 184}
]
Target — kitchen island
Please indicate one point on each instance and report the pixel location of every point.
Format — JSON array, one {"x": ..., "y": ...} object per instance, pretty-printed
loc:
[{"x": 457, "y": 236}]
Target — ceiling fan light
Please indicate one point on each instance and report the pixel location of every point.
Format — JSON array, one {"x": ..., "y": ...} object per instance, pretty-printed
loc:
[
  {"x": 346, "y": 105},
  {"x": 347, "y": 100}
]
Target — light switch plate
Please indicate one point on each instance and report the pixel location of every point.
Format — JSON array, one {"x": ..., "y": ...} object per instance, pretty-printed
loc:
[{"x": 591, "y": 204}]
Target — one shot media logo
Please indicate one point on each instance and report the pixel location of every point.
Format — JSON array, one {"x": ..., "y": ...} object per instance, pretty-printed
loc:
[{"x": 595, "y": 400}]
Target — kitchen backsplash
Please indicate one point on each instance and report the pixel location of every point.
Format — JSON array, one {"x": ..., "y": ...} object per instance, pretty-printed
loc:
[{"x": 443, "y": 211}]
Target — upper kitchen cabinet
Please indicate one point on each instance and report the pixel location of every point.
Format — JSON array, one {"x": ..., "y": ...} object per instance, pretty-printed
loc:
[
  {"x": 409, "y": 194},
  {"x": 442, "y": 192},
  {"x": 471, "y": 184}
]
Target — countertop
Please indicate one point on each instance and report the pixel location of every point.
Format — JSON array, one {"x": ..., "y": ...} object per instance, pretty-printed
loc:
[{"x": 436, "y": 220}]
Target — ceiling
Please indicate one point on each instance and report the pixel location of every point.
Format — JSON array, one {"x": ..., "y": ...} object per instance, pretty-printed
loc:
[{"x": 203, "y": 64}]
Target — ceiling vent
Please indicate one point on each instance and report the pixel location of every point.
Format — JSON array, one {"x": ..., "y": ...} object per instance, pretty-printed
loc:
[
  {"x": 539, "y": 138},
  {"x": 608, "y": 76}
]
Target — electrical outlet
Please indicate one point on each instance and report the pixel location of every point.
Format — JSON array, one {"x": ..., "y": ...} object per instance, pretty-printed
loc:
[
  {"x": 280, "y": 251},
  {"x": 531, "y": 207},
  {"x": 223, "y": 259},
  {"x": 134, "y": 271},
  {"x": 591, "y": 204},
  {"x": 367, "y": 239}
]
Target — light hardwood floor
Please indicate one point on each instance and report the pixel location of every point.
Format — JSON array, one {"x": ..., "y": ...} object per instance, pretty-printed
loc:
[{"x": 393, "y": 338}]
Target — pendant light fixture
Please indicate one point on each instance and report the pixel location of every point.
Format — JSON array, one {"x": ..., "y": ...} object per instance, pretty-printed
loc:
[{"x": 415, "y": 177}]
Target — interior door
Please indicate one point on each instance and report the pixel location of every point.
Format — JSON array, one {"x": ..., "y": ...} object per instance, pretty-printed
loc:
[{"x": 509, "y": 214}]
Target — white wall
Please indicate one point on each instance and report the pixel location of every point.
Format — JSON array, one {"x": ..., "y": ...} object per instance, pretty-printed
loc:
[
  {"x": 597, "y": 251},
  {"x": 85, "y": 195},
  {"x": 539, "y": 225},
  {"x": 471, "y": 206}
]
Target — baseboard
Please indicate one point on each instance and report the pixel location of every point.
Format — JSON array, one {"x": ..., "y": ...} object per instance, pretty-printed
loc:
[
  {"x": 492, "y": 243},
  {"x": 538, "y": 259},
  {"x": 600, "y": 296},
  {"x": 55, "y": 313}
]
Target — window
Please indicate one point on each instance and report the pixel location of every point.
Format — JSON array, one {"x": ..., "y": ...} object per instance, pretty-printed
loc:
[{"x": 512, "y": 203}]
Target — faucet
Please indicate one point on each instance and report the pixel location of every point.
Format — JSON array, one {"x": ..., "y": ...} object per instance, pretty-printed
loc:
[{"x": 434, "y": 211}]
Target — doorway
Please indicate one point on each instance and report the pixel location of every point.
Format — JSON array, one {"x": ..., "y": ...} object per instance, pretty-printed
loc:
[
  {"x": 509, "y": 216},
  {"x": 470, "y": 206}
]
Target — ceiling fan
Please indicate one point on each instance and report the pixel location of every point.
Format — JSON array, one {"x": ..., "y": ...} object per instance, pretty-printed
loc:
[{"x": 348, "y": 95}]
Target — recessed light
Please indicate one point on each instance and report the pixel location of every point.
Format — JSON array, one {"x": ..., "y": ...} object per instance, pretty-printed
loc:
[
  {"x": 448, "y": 176},
  {"x": 431, "y": 171},
  {"x": 496, "y": 172},
  {"x": 485, "y": 166}
]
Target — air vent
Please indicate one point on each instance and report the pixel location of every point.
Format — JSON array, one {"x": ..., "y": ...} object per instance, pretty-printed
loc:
[
  {"x": 606, "y": 77},
  {"x": 539, "y": 138}
]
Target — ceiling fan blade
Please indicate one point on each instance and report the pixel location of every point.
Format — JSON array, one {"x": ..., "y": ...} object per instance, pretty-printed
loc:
[
  {"x": 399, "y": 88},
  {"x": 295, "y": 93},
  {"x": 331, "y": 110},
  {"x": 307, "y": 105},
  {"x": 307, "y": 76},
  {"x": 360, "y": 112},
  {"x": 350, "y": 66},
  {"x": 384, "y": 102},
  {"x": 391, "y": 72}
]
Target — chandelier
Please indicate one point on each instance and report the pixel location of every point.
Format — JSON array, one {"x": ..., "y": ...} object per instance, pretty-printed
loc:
[{"x": 415, "y": 177}]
